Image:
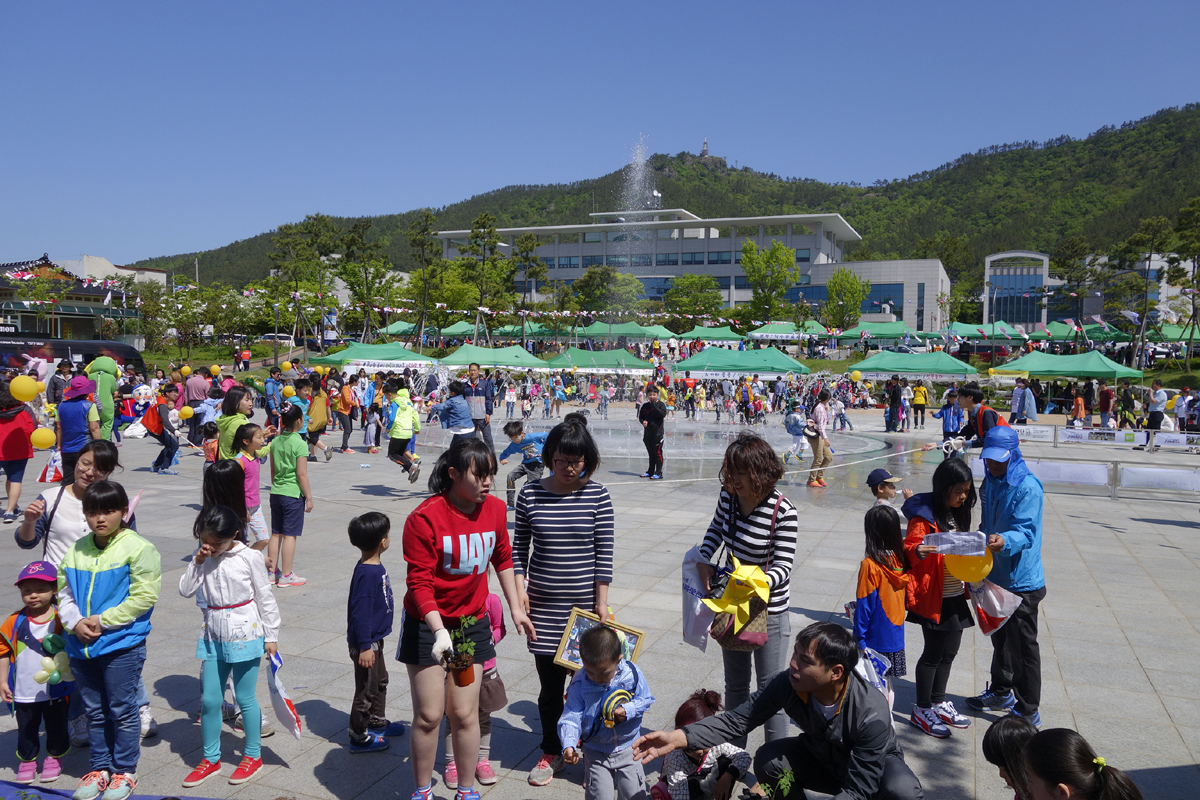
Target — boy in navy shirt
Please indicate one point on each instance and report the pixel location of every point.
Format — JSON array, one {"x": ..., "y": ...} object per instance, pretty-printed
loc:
[
  {"x": 530, "y": 446},
  {"x": 368, "y": 622}
]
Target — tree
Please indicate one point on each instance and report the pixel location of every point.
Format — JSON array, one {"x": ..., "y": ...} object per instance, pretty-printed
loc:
[
  {"x": 531, "y": 269},
  {"x": 44, "y": 292},
  {"x": 846, "y": 295},
  {"x": 693, "y": 294},
  {"x": 493, "y": 273},
  {"x": 425, "y": 249},
  {"x": 563, "y": 301},
  {"x": 603, "y": 288},
  {"x": 1073, "y": 263},
  {"x": 365, "y": 269},
  {"x": 308, "y": 251},
  {"x": 1184, "y": 270},
  {"x": 770, "y": 273},
  {"x": 1153, "y": 236}
]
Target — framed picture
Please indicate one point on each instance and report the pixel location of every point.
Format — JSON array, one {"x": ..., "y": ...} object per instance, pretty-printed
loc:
[{"x": 580, "y": 621}]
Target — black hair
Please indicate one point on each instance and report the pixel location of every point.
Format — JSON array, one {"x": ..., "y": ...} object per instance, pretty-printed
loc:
[
  {"x": 209, "y": 430},
  {"x": 577, "y": 417},
  {"x": 1003, "y": 746},
  {"x": 105, "y": 456},
  {"x": 885, "y": 541},
  {"x": 168, "y": 387},
  {"x": 103, "y": 497},
  {"x": 301, "y": 383},
  {"x": 219, "y": 522},
  {"x": 465, "y": 455},
  {"x": 243, "y": 435},
  {"x": 514, "y": 428},
  {"x": 823, "y": 395},
  {"x": 599, "y": 645},
  {"x": 233, "y": 399},
  {"x": 290, "y": 416},
  {"x": 951, "y": 395},
  {"x": 476, "y": 366},
  {"x": 455, "y": 387},
  {"x": 1063, "y": 756},
  {"x": 274, "y": 371},
  {"x": 224, "y": 484},
  {"x": 368, "y": 530},
  {"x": 835, "y": 645},
  {"x": 394, "y": 385},
  {"x": 215, "y": 393},
  {"x": 569, "y": 438},
  {"x": 951, "y": 473},
  {"x": 653, "y": 388},
  {"x": 972, "y": 391}
]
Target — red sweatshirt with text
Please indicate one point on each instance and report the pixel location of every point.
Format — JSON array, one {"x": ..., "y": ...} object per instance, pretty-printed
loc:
[{"x": 448, "y": 553}]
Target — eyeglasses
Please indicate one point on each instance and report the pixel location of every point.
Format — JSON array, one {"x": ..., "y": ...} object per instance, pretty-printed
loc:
[{"x": 562, "y": 463}]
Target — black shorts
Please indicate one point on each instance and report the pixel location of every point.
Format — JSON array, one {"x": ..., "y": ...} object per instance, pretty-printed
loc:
[
  {"x": 314, "y": 437},
  {"x": 416, "y": 641},
  {"x": 287, "y": 515}
]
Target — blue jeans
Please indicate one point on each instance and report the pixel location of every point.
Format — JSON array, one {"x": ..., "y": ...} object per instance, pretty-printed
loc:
[
  {"x": 170, "y": 446},
  {"x": 108, "y": 685},
  {"x": 76, "y": 706}
]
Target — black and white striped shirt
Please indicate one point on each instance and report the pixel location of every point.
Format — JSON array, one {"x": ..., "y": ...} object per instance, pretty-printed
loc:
[
  {"x": 564, "y": 545},
  {"x": 752, "y": 542}
]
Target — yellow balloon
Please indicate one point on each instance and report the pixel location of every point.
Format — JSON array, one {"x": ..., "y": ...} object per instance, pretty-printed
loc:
[
  {"x": 991, "y": 371},
  {"x": 41, "y": 676},
  {"x": 214, "y": 369},
  {"x": 41, "y": 387},
  {"x": 23, "y": 388},
  {"x": 42, "y": 438},
  {"x": 970, "y": 569},
  {"x": 186, "y": 412},
  {"x": 288, "y": 391},
  {"x": 856, "y": 376},
  {"x": 48, "y": 664},
  {"x": 285, "y": 366},
  {"x": 185, "y": 371}
]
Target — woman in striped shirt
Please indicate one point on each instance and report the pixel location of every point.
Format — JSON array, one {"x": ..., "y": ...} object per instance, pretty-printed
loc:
[
  {"x": 563, "y": 546},
  {"x": 757, "y": 525}
]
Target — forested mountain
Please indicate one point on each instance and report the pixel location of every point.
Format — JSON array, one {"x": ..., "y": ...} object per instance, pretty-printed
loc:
[{"x": 1026, "y": 195}]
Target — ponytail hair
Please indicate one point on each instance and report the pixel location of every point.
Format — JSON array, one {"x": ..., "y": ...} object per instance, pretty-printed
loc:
[
  {"x": 702, "y": 704},
  {"x": 466, "y": 455},
  {"x": 1062, "y": 756}
]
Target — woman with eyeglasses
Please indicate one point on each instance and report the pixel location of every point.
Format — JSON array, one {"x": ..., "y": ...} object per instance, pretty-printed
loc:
[{"x": 563, "y": 548}]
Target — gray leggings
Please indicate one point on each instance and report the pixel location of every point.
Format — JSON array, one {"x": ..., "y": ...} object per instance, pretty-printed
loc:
[{"x": 768, "y": 661}]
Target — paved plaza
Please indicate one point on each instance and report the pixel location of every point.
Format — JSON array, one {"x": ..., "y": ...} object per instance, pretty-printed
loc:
[{"x": 1119, "y": 626}]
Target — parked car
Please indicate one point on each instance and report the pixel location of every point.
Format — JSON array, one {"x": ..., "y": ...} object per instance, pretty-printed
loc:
[
  {"x": 901, "y": 348},
  {"x": 983, "y": 352},
  {"x": 282, "y": 338}
]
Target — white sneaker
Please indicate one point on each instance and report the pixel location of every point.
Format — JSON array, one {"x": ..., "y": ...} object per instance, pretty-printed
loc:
[
  {"x": 948, "y": 714},
  {"x": 928, "y": 721},
  {"x": 78, "y": 731},
  {"x": 149, "y": 726}
]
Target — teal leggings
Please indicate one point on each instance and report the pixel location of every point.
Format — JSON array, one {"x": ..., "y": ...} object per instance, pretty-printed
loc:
[{"x": 245, "y": 682}]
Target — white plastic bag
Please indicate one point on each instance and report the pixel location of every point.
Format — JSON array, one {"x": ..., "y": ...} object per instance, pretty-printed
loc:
[
  {"x": 52, "y": 472},
  {"x": 697, "y": 617},
  {"x": 993, "y": 605},
  {"x": 285, "y": 712},
  {"x": 871, "y": 667}
]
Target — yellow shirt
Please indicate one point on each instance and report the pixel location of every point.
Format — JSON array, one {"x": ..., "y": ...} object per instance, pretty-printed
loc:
[{"x": 920, "y": 396}]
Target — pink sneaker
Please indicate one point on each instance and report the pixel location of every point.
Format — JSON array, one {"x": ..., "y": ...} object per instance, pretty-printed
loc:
[
  {"x": 484, "y": 773},
  {"x": 51, "y": 769},
  {"x": 27, "y": 772},
  {"x": 450, "y": 775}
]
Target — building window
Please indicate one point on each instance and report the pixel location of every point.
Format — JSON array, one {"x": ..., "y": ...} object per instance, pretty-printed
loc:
[
  {"x": 592, "y": 237},
  {"x": 618, "y": 261},
  {"x": 693, "y": 258},
  {"x": 667, "y": 259},
  {"x": 723, "y": 282},
  {"x": 721, "y": 257},
  {"x": 655, "y": 288},
  {"x": 593, "y": 261},
  {"x": 549, "y": 262},
  {"x": 920, "y": 306},
  {"x": 666, "y": 233},
  {"x": 640, "y": 260},
  {"x": 803, "y": 256},
  {"x": 890, "y": 295},
  {"x": 737, "y": 256},
  {"x": 568, "y": 262},
  {"x": 741, "y": 282}
]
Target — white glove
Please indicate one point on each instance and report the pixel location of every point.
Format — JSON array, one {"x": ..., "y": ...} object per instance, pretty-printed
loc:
[{"x": 442, "y": 646}]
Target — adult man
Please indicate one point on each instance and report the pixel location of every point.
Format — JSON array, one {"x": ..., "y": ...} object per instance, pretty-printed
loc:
[
  {"x": 273, "y": 390},
  {"x": 479, "y": 393},
  {"x": 846, "y": 747},
  {"x": 689, "y": 384},
  {"x": 978, "y": 419},
  {"x": 195, "y": 391},
  {"x": 1182, "y": 408},
  {"x": 58, "y": 381},
  {"x": 1104, "y": 402},
  {"x": 1157, "y": 406},
  {"x": 1012, "y": 519},
  {"x": 246, "y": 359},
  {"x": 1018, "y": 402},
  {"x": 894, "y": 400}
]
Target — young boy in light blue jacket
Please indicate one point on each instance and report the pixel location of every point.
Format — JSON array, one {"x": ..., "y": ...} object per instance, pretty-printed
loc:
[{"x": 603, "y": 717}]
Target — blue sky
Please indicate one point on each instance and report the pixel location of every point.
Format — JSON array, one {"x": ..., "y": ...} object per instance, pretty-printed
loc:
[{"x": 133, "y": 130}]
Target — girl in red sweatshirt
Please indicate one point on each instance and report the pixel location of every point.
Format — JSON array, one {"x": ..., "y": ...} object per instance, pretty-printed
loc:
[{"x": 449, "y": 540}]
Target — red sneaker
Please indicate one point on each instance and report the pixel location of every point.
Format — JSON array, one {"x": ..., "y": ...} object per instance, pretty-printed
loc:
[
  {"x": 200, "y": 774},
  {"x": 246, "y": 770}
]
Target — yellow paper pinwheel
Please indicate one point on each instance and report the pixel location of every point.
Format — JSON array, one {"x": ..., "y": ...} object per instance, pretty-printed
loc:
[{"x": 746, "y": 582}]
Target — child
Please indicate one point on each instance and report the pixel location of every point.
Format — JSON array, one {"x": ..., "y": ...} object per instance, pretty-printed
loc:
[
  {"x": 207, "y": 410},
  {"x": 249, "y": 442},
  {"x": 492, "y": 698},
  {"x": 449, "y": 541},
  {"x": 794, "y": 423},
  {"x": 225, "y": 485},
  {"x": 526, "y": 408},
  {"x": 369, "y": 613},
  {"x": 210, "y": 432},
  {"x": 371, "y": 426},
  {"x": 112, "y": 576},
  {"x": 241, "y": 623},
  {"x": 455, "y": 415},
  {"x": 318, "y": 421},
  {"x": 1059, "y": 763},
  {"x": 839, "y": 415},
  {"x": 671, "y": 405},
  {"x": 157, "y": 421},
  {"x": 405, "y": 422},
  {"x": 879, "y": 603},
  {"x": 602, "y": 404},
  {"x": 1004, "y": 748},
  {"x": 951, "y": 416},
  {"x": 883, "y": 486},
  {"x": 704, "y": 773},
  {"x": 76, "y": 421},
  {"x": 606, "y": 741},
  {"x": 510, "y": 399},
  {"x": 530, "y": 446},
  {"x": 291, "y": 497},
  {"x": 23, "y": 645},
  {"x": 546, "y": 406}
]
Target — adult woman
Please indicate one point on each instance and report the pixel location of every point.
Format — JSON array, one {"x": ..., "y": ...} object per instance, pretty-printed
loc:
[
  {"x": 159, "y": 378},
  {"x": 818, "y": 438},
  {"x": 937, "y": 600},
  {"x": 920, "y": 399},
  {"x": 563, "y": 547},
  {"x": 346, "y": 403},
  {"x": 757, "y": 525},
  {"x": 16, "y": 426},
  {"x": 236, "y": 408}
]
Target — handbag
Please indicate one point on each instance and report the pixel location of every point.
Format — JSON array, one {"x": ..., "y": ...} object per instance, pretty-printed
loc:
[{"x": 753, "y": 634}]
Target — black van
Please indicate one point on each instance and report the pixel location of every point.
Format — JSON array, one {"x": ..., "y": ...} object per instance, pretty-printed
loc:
[{"x": 18, "y": 350}]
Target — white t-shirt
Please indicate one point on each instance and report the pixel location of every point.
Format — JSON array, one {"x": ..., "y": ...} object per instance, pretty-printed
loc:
[
  {"x": 25, "y": 688},
  {"x": 826, "y": 711},
  {"x": 68, "y": 526}
]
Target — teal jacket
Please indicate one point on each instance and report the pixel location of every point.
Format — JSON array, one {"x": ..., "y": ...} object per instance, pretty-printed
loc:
[
  {"x": 119, "y": 583},
  {"x": 1015, "y": 512}
]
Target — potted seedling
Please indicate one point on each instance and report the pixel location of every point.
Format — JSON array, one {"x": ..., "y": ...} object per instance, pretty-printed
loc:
[{"x": 462, "y": 663}]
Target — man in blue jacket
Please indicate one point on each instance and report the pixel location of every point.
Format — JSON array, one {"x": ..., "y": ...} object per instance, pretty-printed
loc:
[
  {"x": 1012, "y": 520},
  {"x": 479, "y": 393}
]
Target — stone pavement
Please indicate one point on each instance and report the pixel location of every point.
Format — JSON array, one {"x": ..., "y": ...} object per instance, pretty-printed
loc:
[{"x": 1119, "y": 625}]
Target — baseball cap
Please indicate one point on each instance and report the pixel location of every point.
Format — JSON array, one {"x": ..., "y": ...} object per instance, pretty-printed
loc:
[
  {"x": 38, "y": 571},
  {"x": 879, "y": 476},
  {"x": 1000, "y": 443}
]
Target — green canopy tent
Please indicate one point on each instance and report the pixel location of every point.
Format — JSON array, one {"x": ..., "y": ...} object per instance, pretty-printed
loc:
[
  {"x": 881, "y": 330},
  {"x": 724, "y": 334},
  {"x": 786, "y": 331},
  {"x": 716, "y": 362},
  {"x": 658, "y": 332},
  {"x": 393, "y": 355},
  {"x": 533, "y": 330},
  {"x": 1084, "y": 365},
  {"x": 1055, "y": 331},
  {"x": 930, "y": 365},
  {"x": 514, "y": 357},
  {"x": 630, "y": 330},
  {"x": 399, "y": 328},
  {"x": 460, "y": 328},
  {"x": 997, "y": 331},
  {"x": 614, "y": 361}
]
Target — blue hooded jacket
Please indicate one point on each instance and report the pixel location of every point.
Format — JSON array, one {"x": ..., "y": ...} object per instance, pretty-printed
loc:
[
  {"x": 1012, "y": 508},
  {"x": 581, "y": 723},
  {"x": 454, "y": 413},
  {"x": 951, "y": 416}
]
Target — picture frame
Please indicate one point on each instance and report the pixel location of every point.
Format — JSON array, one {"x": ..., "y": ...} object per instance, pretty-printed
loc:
[{"x": 580, "y": 621}]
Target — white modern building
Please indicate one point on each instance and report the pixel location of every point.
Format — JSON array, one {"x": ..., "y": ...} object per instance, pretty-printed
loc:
[
  {"x": 99, "y": 268},
  {"x": 659, "y": 245}
]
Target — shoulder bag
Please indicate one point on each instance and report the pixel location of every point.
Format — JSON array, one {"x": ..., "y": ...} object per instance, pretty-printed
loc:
[{"x": 753, "y": 634}]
